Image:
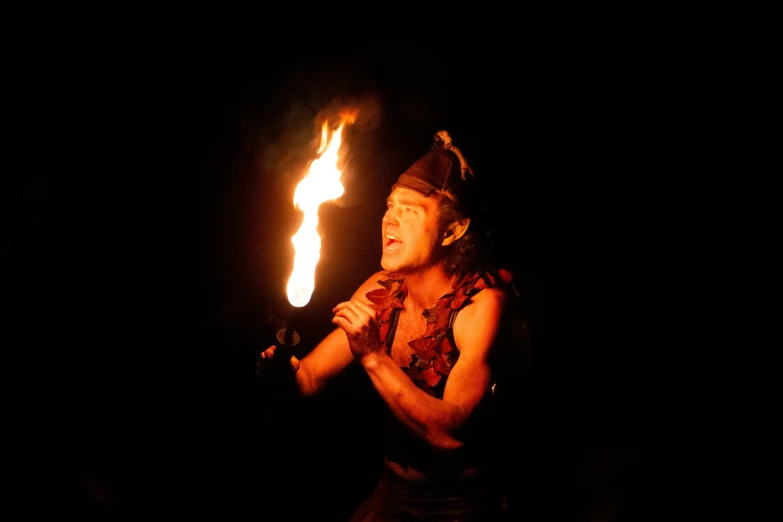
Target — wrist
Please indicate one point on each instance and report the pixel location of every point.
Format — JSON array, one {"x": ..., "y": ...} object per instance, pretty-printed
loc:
[{"x": 372, "y": 360}]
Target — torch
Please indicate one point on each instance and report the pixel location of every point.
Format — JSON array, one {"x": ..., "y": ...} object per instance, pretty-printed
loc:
[{"x": 320, "y": 184}]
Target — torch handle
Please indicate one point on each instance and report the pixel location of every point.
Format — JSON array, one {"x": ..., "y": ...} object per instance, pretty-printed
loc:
[
  {"x": 286, "y": 338},
  {"x": 283, "y": 353}
]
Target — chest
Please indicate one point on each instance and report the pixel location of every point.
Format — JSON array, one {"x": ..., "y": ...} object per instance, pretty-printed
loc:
[{"x": 408, "y": 329}]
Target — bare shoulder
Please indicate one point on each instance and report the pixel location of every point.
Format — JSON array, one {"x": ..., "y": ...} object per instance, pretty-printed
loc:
[
  {"x": 492, "y": 315},
  {"x": 371, "y": 283},
  {"x": 489, "y": 302},
  {"x": 499, "y": 300}
]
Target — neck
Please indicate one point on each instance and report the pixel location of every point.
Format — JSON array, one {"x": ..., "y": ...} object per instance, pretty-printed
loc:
[{"x": 427, "y": 286}]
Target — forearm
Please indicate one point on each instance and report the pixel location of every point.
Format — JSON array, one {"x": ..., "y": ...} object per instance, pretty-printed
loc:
[
  {"x": 431, "y": 419},
  {"x": 305, "y": 381},
  {"x": 330, "y": 357}
]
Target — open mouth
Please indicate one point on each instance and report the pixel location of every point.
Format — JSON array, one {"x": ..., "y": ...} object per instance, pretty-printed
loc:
[{"x": 390, "y": 242}]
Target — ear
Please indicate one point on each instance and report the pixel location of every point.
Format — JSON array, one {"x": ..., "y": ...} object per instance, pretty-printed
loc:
[{"x": 455, "y": 231}]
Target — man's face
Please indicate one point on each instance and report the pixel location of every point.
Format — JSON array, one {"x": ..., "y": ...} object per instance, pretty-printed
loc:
[{"x": 411, "y": 237}]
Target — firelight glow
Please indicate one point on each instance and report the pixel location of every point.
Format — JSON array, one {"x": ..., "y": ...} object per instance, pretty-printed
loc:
[{"x": 320, "y": 184}]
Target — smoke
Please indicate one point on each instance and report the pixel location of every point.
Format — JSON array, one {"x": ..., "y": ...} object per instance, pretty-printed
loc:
[
  {"x": 284, "y": 147},
  {"x": 365, "y": 113}
]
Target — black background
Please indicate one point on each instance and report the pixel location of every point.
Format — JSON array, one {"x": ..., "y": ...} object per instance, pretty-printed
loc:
[{"x": 149, "y": 169}]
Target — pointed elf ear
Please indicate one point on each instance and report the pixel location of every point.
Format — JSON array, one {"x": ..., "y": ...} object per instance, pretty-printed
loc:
[{"x": 455, "y": 231}]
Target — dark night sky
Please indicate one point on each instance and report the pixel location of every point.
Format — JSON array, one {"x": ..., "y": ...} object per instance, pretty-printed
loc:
[{"x": 149, "y": 171}]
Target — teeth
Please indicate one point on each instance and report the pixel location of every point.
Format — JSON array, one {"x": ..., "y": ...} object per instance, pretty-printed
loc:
[{"x": 390, "y": 237}]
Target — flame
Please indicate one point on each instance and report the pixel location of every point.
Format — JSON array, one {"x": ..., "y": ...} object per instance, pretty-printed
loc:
[{"x": 320, "y": 184}]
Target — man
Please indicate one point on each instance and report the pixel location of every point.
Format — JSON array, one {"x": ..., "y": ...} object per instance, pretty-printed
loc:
[{"x": 436, "y": 331}]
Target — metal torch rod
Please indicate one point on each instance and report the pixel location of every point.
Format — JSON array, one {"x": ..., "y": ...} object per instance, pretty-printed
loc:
[{"x": 287, "y": 337}]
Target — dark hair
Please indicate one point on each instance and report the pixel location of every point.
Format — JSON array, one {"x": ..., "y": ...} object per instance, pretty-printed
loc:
[
  {"x": 445, "y": 171},
  {"x": 469, "y": 253}
]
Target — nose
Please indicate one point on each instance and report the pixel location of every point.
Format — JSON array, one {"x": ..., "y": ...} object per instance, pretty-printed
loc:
[{"x": 389, "y": 217}]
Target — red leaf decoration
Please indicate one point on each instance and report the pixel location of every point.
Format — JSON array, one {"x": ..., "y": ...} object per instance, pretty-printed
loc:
[
  {"x": 390, "y": 296},
  {"x": 430, "y": 377},
  {"x": 434, "y": 354},
  {"x": 445, "y": 345},
  {"x": 442, "y": 366},
  {"x": 438, "y": 315},
  {"x": 506, "y": 275},
  {"x": 394, "y": 277},
  {"x": 379, "y": 296},
  {"x": 432, "y": 330},
  {"x": 457, "y": 302},
  {"x": 424, "y": 346}
]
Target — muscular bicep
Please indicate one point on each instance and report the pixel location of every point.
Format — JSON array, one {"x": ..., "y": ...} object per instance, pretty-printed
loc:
[{"x": 475, "y": 331}]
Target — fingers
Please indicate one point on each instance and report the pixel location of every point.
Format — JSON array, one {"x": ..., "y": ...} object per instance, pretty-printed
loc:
[
  {"x": 269, "y": 353},
  {"x": 356, "y": 312},
  {"x": 349, "y": 315},
  {"x": 349, "y": 320},
  {"x": 356, "y": 306},
  {"x": 266, "y": 355}
]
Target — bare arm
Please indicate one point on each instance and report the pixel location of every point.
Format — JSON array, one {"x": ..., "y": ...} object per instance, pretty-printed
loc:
[
  {"x": 330, "y": 356},
  {"x": 327, "y": 359},
  {"x": 434, "y": 420}
]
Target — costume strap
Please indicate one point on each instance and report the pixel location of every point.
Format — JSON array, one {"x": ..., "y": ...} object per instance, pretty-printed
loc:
[{"x": 395, "y": 315}]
